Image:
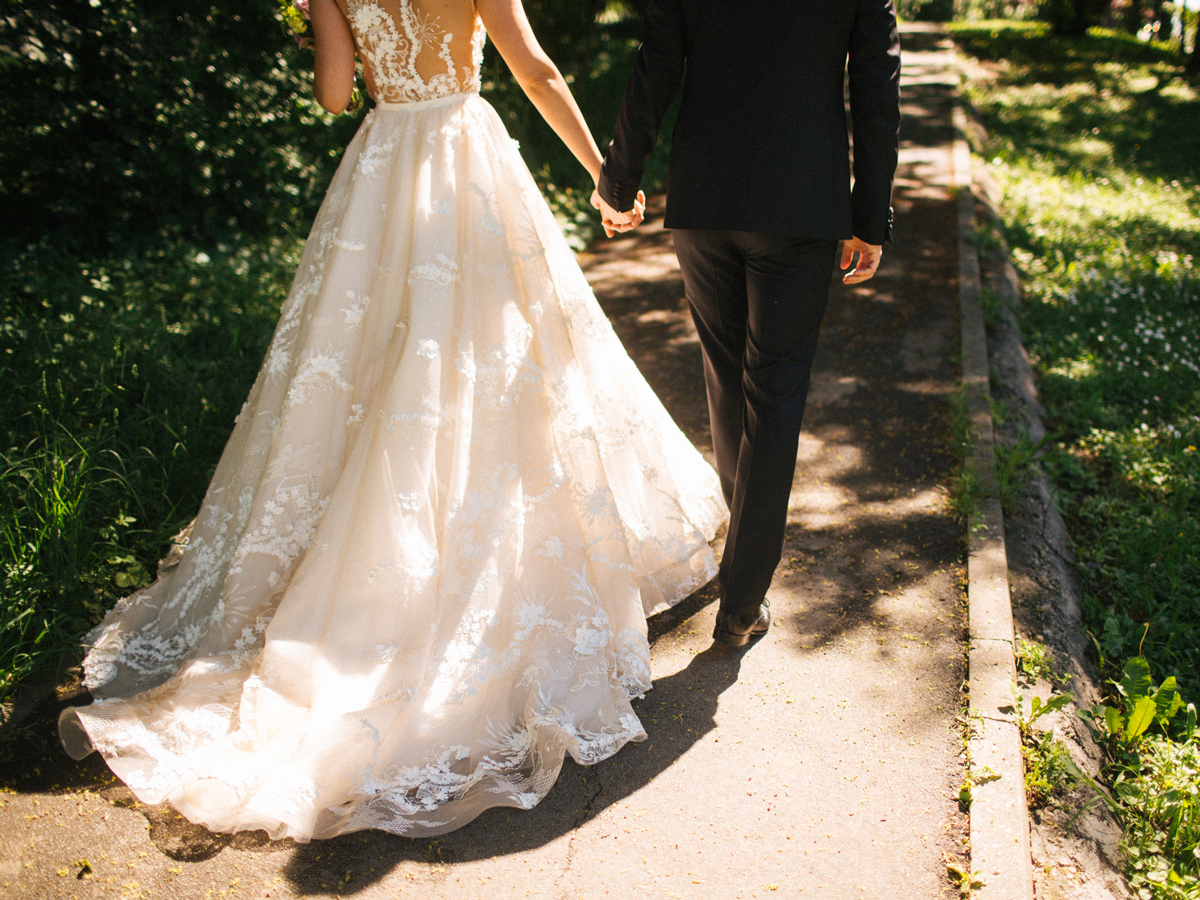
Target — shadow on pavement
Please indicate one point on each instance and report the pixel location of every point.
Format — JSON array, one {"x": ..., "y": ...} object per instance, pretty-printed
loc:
[
  {"x": 688, "y": 698},
  {"x": 33, "y": 762}
]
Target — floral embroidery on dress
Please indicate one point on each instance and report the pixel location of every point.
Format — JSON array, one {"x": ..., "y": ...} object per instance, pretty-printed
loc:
[
  {"x": 443, "y": 271},
  {"x": 357, "y": 309},
  {"x": 392, "y": 46},
  {"x": 422, "y": 570}
]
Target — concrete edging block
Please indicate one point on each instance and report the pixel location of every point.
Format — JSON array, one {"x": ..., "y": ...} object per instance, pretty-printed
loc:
[
  {"x": 991, "y": 672},
  {"x": 1000, "y": 846},
  {"x": 1000, "y": 851}
]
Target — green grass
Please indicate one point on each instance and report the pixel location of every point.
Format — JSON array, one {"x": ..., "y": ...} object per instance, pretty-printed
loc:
[
  {"x": 122, "y": 378},
  {"x": 1095, "y": 143}
]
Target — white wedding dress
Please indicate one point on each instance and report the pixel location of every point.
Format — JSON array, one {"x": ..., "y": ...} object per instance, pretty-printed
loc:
[{"x": 422, "y": 571}]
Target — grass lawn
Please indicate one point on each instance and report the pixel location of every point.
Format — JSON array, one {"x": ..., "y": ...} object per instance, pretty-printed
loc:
[
  {"x": 1095, "y": 143},
  {"x": 122, "y": 378}
]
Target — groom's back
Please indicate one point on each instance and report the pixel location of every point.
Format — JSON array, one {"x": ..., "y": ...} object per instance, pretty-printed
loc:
[{"x": 760, "y": 144}]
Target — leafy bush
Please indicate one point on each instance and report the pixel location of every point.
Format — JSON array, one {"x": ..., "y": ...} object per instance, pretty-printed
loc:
[
  {"x": 122, "y": 379},
  {"x": 131, "y": 120},
  {"x": 925, "y": 10},
  {"x": 1155, "y": 775}
]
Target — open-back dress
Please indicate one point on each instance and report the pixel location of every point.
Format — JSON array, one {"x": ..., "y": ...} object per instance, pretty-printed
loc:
[{"x": 422, "y": 571}]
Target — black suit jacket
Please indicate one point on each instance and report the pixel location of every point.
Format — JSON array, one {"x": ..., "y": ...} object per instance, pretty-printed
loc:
[{"x": 761, "y": 143}]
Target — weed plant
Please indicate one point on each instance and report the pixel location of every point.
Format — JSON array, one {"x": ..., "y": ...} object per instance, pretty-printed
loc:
[
  {"x": 965, "y": 492},
  {"x": 1095, "y": 143}
]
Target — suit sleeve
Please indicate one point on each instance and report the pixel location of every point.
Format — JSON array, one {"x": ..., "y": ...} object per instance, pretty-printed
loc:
[
  {"x": 652, "y": 86},
  {"x": 874, "y": 68}
]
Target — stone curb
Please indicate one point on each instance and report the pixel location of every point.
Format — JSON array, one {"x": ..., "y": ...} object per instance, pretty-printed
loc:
[{"x": 1000, "y": 848}]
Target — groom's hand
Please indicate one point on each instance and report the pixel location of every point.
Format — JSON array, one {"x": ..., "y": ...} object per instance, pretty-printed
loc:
[
  {"x": 869, "y": 256},
  {"x": 615, "y": 221}
]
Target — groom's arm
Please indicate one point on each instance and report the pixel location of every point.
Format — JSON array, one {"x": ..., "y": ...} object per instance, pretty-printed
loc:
[
  {"x": 874, "y": 68},
  {"x": 652, "y": 86}
]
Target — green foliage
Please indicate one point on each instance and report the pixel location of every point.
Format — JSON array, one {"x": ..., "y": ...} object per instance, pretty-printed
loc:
[
  {"x": 925, "y": 10},
  {"x": 1140, "y": 705},
  {"x": 1037, "y": 708},
  {"x": 1007, "y": 10},
  {"x": 965, "y": 494},
  {"x": 121, "y": 379},
  {"x": 993, "y": 308},
  {"x": 1071, "y": 17},
  {"x": 1099, "y": 160},
  {"x": 1095, "y": 142},
  {"x": 965, "y": 880},
  {"x": 129, "y": 120},
  {"x": 986, "y": 239},
  {"x": 1035, "y": 663},
  {"x": 1047, "y": 769},
  {"x": 127, "y": 123},
  {"x": 1162, "y": 812},
  {"x": 1047, "y": 763},
  {"x": 1014, "y": 468},
  {"x": 965, "y": 490},
  {"x": 594, "y": 44},
  {"x": 1156, "y": 779}
]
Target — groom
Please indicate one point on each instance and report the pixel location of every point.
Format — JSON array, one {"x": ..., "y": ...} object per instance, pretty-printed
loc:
[{"x": 758, "y": 197}]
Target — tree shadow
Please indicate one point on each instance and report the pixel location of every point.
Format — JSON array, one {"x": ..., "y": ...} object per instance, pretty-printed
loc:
[
  {"x": 1091, "y": 118},
  {"x": 33, "y": 762},
  {"x": 688, "y": 699}
]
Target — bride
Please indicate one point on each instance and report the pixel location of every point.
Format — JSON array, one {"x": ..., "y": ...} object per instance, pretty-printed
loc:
[{"x": 422, "y": 570}]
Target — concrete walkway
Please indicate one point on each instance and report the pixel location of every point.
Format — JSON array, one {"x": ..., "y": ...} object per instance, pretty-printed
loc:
[{"x": 822, "y": 763}]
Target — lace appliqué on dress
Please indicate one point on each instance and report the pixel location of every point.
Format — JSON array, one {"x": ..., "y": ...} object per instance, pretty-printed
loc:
[
  {"x": 421, "y": 574},
  {"x": 392, "y": 46}
]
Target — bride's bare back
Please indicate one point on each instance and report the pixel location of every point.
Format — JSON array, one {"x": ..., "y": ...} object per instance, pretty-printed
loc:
[
  {"x": 424, "y": 49},
  {"x": 416, "y": 50}
]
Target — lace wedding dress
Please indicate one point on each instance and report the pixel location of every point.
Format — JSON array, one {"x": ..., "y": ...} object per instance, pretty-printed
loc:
[{"x": 422, "y": 571}]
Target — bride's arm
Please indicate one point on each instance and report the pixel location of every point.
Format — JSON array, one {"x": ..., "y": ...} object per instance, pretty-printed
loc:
[
  {"x": 539, "y": 78},
  {"x": 333, "y": 55}
]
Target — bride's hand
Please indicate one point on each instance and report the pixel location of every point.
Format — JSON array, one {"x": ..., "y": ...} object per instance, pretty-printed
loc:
[{"x": 615, "y": 221}]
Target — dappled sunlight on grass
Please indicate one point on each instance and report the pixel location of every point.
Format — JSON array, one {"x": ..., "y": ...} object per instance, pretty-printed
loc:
[
  {"x": 1106, "y": 246},
  {"x": 1095, "y": 146}
]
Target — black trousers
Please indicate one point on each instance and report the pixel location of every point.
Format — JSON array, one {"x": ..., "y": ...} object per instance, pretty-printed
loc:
[{"x": 757, "y": 300}]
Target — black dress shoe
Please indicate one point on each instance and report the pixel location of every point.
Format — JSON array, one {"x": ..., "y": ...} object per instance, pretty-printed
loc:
[{"x": 737, "y": 630}]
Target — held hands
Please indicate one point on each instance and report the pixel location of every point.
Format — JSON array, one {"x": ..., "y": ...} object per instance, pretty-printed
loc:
[
  {"x": 869, "y": 256},
  {"x": 614, "y": 221}
]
